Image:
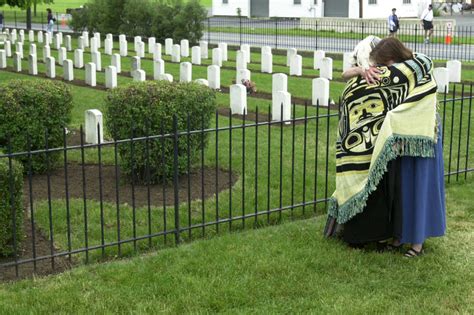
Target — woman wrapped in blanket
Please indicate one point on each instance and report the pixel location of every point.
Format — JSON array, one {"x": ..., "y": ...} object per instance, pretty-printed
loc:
[{"x": 378, "y": 195}]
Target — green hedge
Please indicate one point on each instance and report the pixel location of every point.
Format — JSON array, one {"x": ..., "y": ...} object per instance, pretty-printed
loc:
[
  {"x": 150, "y": 106},
  {"x": 161, "y": 19},
  {"x": 6, "y": 214},
  {"x": 28, "y": 108}
]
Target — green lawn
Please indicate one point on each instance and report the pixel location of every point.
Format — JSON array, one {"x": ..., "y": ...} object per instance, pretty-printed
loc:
[{"x": 284, "y": 269}]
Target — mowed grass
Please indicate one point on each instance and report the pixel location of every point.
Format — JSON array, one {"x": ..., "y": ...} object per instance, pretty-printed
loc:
[
  {"x": 288, "y": 268},
  {"x": 257, "y": 177}
]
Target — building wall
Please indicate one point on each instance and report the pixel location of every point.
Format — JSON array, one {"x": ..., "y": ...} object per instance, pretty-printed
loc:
[
  {"x": 383, "y": 8},
  {"x": 287, "y": 8},
  {"x": 230, "y": 8}
]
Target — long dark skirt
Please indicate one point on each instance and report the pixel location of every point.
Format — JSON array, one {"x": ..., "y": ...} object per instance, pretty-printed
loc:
[{"x": 382, "y": 216}]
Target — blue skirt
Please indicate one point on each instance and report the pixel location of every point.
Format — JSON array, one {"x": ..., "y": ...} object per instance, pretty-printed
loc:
[{"x": 423, "y": 198}]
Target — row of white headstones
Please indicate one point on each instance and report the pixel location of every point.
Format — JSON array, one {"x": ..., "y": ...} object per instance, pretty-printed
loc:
[{"x": 281, "y": 98}]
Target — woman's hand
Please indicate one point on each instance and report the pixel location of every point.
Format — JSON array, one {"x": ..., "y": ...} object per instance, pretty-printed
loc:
[{"x": 371, "y": 75}]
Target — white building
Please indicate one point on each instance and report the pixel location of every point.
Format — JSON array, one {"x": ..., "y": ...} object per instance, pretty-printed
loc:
[{"x": 369, "y": 9}]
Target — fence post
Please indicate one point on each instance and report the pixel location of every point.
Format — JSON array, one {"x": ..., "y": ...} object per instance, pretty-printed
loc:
[
  {"x": 276, "y": 34},
  {"x": 14, "y": 14},
  {"x": 316, "y": 28},
  {"x": 240, "y": 29},
  {"x": 208, "y": 30},
  {"x": 175, "y": 179},
  {"x": 57, "y": 22},
  {"x": 416, "y": 36},
  {"x": 42, "y": 22}
]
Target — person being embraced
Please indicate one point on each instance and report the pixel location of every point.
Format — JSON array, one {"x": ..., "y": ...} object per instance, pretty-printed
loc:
[{"x": 380, "y": 196}]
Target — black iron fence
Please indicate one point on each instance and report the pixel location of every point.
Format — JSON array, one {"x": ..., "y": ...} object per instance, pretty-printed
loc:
[
  {"x": 446, "y": 42},
  {"x": 253, "y": 172}
]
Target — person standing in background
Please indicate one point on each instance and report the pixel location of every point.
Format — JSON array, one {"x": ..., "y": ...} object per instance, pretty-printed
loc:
[
  {"x": 393, "y": 23},
  {"x": 51, "y": 20},
  {"x": 427, "y": 20}
]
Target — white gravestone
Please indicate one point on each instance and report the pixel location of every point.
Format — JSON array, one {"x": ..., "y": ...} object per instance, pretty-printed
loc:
[
  {"x": 326, "y": 68},
  {"x": 136, "y": 40},
  {"x": 31, "y": 36},
  {"x": 267, "y": 63},
  {"x": 79, "y": 58},
  {"x": 157, "y": 51},
  {"x": 32, "y": 49},
  {"x": 94, "y": 45},
  {"x": 196, "y": 55},
  {"x": 62, "y": 55},
  {"x": 32, "y": 65},
  {"x": 266, "y": 50},
  {"x": 158, "y": 68},
  {"x": 50, "y": 67},
  {"x": 241, "y": 60},
  {"x": 441, "y": 76},
  {"x": 139, "y": 75},
  {"x": 246, "y": 49},
  {"x": 57, "y": 41},
  {"x": 165, "y": 77},
  {"x": 454, "y": 68},
  {"x": 46, "y": 53},
  {"x": 296, "y": 66},
  {"x": 68, "y": 70},
  {"x": 117, "y": 62},
  {"x": 40, "y": 37},
  {"x": 320, "y": 92},
  {"x": 110, "y": 77},
  {"x": 318, "y": 59},
  {"x": 68, "y": 43},
  {"x": 184, "y": 48},
  {"x": 85, "y": 36},
  {"x": 80, "y": 43},
  {"x": 242, "y": 74},
  {"x": 168, "y": 46},
  {"x": 122, "y": 38},
  {"x": 136, "y": 63},
  {"x": 151, "y": 44},
  {"x": 17, "y": 62},
  {"x": 289, "y": 55},
  {"x": 3, "y": 59},
  {"x": 141, "y": 49},
  {"x": 217, "y": 57},
  {"x": 19, "y": 49},
  {"x": 214, "y": 77},
  {"x": 238, "y": 99},
  {"x": 109, "y": 36},
  {"x": 8, "y": 48},
  {"x": 281, "y": 104},
  {"x": 204, "y": 49},
  {"x": 108, "y": 46},
  {"x": 97, "y": 37},
  {"x": 90, "y": 74},
  {"x": 94, "y": 126},
  {"x": 279, "y": 82},
  {"x": 346, "y": 62},
  {"x": 224, "y": 53},
  {"x": 21, "y": 36},
  {"x": 185, "y": 72},
  {"x": 123, "y": 46},
  {"x": 176, "y": 54},
  {"x": 97, "y": 60},
  {"x": 202, "y": 82}
]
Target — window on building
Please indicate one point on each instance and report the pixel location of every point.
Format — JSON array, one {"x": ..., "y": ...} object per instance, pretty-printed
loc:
[
  {"x": 406, "y": 1},
  {"x": 225, "y": 1},
  {"x": 296, "y": 1},
  {"x": 315, "y": 1},
  {"x": 372, "y": 1}
]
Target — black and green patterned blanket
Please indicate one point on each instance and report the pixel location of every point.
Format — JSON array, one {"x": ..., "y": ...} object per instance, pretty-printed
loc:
[{"x": 395, "y": 117}]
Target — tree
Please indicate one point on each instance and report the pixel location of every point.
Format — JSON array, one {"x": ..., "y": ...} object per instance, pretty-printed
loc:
[{"x": 24, "y": 4}]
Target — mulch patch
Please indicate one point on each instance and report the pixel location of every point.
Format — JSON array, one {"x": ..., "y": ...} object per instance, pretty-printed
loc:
[
  {"x": 108, "y": 183},
  {"x": 252, "y": 116}
]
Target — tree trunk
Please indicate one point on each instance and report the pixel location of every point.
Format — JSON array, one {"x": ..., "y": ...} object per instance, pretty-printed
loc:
[{"x": 28, "y": 18}]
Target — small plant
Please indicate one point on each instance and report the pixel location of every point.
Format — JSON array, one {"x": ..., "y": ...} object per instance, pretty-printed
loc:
[{"x": 250, "y": 86}]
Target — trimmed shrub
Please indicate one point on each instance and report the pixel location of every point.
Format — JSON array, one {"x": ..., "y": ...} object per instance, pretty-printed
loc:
[
  {"x": 30, "y": 109},
  {"x": 173, "y": 19},
  {"x": 7, "y": 179},
  {"x": 147, "y": 108}
]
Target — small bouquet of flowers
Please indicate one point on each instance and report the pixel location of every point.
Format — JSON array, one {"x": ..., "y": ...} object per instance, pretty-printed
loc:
[{"x": 250, "y": 86}]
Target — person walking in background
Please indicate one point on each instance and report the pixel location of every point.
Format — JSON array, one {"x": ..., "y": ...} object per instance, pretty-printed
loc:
[
  {"x": 51, "y": 20},
  {"x": 1, "y": 21},
  {"x": 393, "y": 23},
  {"x": 427, "y": 20}
]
